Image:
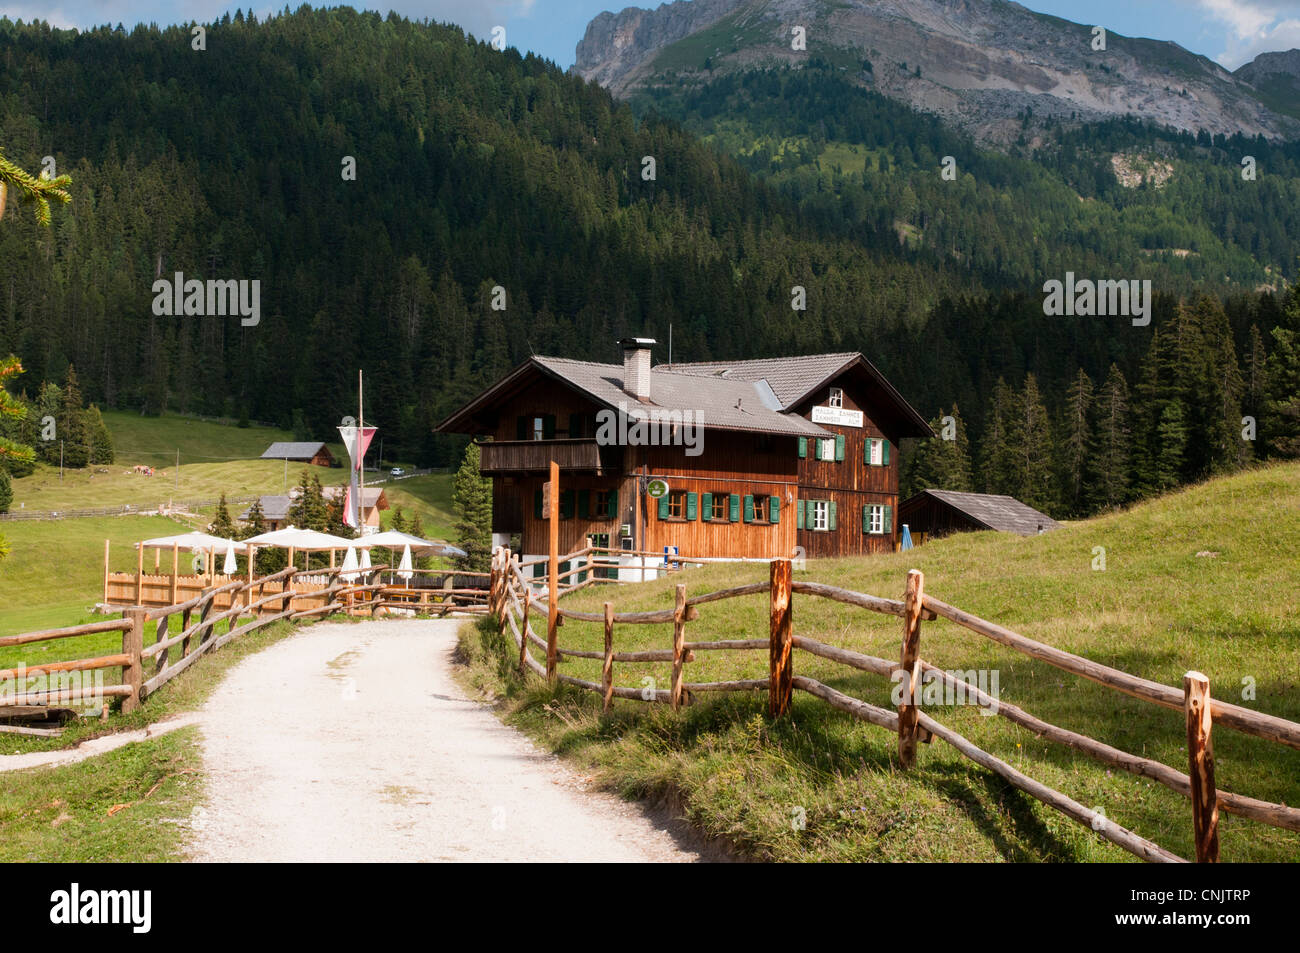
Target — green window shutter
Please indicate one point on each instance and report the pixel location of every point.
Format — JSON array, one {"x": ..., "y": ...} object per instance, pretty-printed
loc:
[
  {"x": 566, "y": 504},
  {"x": 575, "y": 424},
  {"x": 774, "y": 509},
  {"x": 538, "y": 569},
  {"x": 799, "y": 510},
  {"x": 692, "y": 500},
  {"x": 817, "y": 448},
  {"x": 548, "y": 427},
  {"x": 707, "y": 507},
  {"x": 830, "y": 515},
  {"x": 866, "y": 519},
  {"x": 884, "y": 453},
  {"x": 584, "y": 503},
  {"x": 663, "y": 507},
  {"x": 803, "y": 447},
  {"x": 521, "y": 428},
  {"x": 734, "y": 502},
  {"x": 537, "y": 504},
  {"x": 889, "y": 520},
  {"x": 749, "y": 508},
  {"x": 866, "y": 451},
  {"x": 613, "y": 504},
  {"x": 839, "y": 447},
  {"x": 564, "y": 567}
]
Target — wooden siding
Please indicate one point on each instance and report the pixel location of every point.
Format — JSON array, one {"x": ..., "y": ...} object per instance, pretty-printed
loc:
[
  {"x": 850, "y": 483},
  {"x": 933, "y": 518}
]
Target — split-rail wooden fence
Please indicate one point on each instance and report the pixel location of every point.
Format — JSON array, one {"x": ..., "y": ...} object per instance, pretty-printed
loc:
[
  {"x": 188, "y": 630},
  {"x": 514, "y": 603}
]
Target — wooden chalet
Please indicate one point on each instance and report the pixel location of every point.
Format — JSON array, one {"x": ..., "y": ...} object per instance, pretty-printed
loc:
[
  {"x": 760, "y": 456},
  {"x": 935, "y": 513},
  {"x": 314, "y": 453}
]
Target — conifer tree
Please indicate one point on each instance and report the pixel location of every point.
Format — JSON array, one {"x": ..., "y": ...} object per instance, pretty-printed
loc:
[
  {"x": 995, "y": 455},
  {"x": 398, "y": 521},
  {"x": 471, "y": 495},
  {"x": 1030, "y": 449},
  {"x": 72, "y": 433},
  {"x": 12, "y": 453},
  {"x": 1171, "y": 442},
  {"x": 1076, "y": 438},
  {"x": 101, "y": 441},
  {"x": 222, "y": 525},
  {"x": 1281, "y": 412},
  {"x": 1107, "y": 470}
]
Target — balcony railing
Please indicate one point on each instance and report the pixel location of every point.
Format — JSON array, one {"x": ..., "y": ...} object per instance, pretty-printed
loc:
[{"x": 506, "y": 457}]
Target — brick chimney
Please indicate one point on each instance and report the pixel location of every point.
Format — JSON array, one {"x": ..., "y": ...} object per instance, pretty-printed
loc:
[{"x": 636, "y": 366}]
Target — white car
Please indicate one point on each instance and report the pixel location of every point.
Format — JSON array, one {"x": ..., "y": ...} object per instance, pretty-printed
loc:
[{"x": 397, "y": 471}]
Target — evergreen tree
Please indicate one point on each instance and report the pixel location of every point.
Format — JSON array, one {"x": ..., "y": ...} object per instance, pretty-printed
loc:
[
  {"x": 309, "y": 510},
  {"x": 1171, "y": 442},
  {"x": 1107, "y": 471},
  {"x": 13, "y": 454},
  {"x": 269, "y": 559},
  {"x": 417, "y": 529},
  {"x": 995, "y": 454},
  {"x": 1281, "y": 413},
  {"x": 1075, "y": 443},
  {"x": 943, "y": 461},
  {"x": 222, "y": 525},
  {"x": 72, "y": 433},
  {"x": 1030, "y": 450},
  {"x": 398, "y": 521},
  {"x": 471, "y": 495},
  {"x": 101, "y": 441}
]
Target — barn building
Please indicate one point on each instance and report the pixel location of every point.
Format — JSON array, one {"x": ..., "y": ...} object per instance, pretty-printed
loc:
[
  {"x": 759, "y": 456},
  {"x": 934, "y": 513},
  {"x": 316, "y": 454}
]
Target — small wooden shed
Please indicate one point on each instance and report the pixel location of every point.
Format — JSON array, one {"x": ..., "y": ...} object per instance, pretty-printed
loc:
[{"x": 934, "y": 513}]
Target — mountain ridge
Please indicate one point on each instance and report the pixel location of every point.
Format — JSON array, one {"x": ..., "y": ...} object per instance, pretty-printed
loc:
[{"x": 980, "y": 64}]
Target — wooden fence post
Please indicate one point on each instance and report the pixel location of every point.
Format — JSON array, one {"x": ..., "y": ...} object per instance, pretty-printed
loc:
[
  {"x": 106, "y": 543},
  {"x": 607, "y": 670},
  {"x": 1200, "y": 756},
  {"x": 503, "y": 590},
  {"x": 553, "y": 578},
  {"x": 139, "y": 574},
  {"x": 176, "y": 565},
  {"x": 132, "y": 646},
  {"x": 523, "y": 630},
  {"x": 911, "y": 667},
  {"x": 679, "y": 644},
  {"x": 493, "y": 582},
  {"x": 780, "y": 685}
]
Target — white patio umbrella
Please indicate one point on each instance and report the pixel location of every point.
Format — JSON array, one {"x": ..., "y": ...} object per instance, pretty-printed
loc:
[
  {"x": 404, "y": 567},
  {"x": 365, "y": 558},
  {"x": 301, "y": 539},
  {"x": 194, "y": 542},
  {"x": 231, "y": 567},
  {"x": 349, "y": 570},
  {"x": 392, "y": 539}
]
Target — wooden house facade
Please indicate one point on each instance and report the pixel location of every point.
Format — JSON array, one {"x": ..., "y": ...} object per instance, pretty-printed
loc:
[{"x": 760, "y": 457}]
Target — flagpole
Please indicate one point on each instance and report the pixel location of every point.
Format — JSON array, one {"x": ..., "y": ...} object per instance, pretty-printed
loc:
[{"x": 361, "y": 436}]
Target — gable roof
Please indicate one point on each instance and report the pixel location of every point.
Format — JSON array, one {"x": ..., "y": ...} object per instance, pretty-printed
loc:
[
  {"x": 292, "y": 450},
  {"x": 371, "y": 496},
  {"x": 758, "y": 395},
  {"x": 273, "y": 507},
  {"x": 1004, "y": 513}
]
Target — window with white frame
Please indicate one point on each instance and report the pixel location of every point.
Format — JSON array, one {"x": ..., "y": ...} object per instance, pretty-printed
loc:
[
  {"x": 877, "y": 521},
  {"x": 828, "y": 448},
  {"x": 877, "y": 449},
  {"x": 821, "y": 514},
  {"x": 837, "y": 397}
]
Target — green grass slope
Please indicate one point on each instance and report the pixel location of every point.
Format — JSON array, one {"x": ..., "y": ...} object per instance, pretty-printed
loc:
[{"x": 1157, "y": 609}]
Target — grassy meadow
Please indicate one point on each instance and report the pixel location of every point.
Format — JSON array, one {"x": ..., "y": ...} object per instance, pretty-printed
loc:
[{"x": 1200, "y": 579}]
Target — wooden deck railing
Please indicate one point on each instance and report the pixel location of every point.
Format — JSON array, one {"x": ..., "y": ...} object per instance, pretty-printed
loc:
[
  {"x": 511, "y": 602},
  {"x": 288, "y": 594}
]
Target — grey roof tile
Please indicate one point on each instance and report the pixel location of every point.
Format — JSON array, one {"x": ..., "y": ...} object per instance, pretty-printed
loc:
[
  {"x": 1004, "y": 513},
  {"x": 290, "y": 450}
]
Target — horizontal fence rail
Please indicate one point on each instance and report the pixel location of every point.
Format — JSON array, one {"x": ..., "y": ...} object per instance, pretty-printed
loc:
[
  {"x": 513, "y": 601},
  {"x": 188, "y": 630}
]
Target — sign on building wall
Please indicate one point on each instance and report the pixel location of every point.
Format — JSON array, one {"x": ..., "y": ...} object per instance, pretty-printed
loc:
[
  {"x": 546, "y": 500},
  {"x": 839, "y": 416}
]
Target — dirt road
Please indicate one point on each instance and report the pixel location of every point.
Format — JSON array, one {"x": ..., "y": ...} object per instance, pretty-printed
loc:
[{"x": 353, "y": 743}]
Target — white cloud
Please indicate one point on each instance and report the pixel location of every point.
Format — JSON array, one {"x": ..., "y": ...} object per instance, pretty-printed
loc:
[{"x": 1253, "y": 27}]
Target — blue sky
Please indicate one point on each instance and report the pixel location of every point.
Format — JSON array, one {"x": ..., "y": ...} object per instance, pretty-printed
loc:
[{"x": 1228, "y": 31}]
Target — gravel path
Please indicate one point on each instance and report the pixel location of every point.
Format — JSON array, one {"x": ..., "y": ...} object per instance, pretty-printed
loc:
[{"x": 352, "y": 742}]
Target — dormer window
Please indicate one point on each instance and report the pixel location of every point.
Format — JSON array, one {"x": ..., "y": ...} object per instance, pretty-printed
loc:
[{"x": 837, "y": 397}]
